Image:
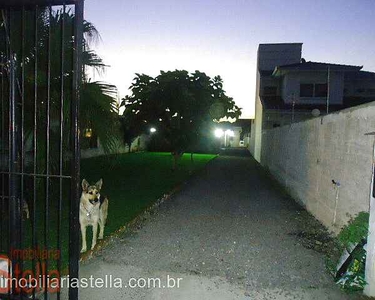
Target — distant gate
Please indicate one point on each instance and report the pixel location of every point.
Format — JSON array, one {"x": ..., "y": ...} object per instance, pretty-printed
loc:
[{"x": 41, "y": 45}]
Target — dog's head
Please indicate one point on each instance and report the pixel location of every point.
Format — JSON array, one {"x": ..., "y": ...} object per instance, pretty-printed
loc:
[{"x": 91, "y": 192}]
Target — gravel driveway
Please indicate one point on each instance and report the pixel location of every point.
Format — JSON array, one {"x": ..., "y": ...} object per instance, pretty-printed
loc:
[{"x": 227, "y": 234}]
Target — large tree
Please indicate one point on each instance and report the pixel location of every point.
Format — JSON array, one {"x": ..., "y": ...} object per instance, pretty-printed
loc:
[{"x": 182, "y": 106}]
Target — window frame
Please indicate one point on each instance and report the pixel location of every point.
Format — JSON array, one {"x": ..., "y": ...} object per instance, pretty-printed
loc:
[{"x": 314, "y": 90}]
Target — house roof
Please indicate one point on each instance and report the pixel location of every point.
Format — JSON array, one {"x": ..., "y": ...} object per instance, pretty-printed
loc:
[{"x": 314, "y": 66}]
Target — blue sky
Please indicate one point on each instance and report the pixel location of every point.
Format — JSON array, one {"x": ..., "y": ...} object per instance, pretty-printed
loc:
[{"x": 220, "y": 37}]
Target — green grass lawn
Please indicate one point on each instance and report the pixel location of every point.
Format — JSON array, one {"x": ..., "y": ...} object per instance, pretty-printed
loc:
[
  {"x": 134, "y": 181},
  {"x": 131, "y": 181}
]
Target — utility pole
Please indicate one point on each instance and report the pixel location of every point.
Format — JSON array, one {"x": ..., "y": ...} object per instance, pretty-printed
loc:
[{"x": 293, "y": 105}]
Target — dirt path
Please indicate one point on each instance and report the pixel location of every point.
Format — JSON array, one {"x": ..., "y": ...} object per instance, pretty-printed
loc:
[{"x": 228, "y": 234}]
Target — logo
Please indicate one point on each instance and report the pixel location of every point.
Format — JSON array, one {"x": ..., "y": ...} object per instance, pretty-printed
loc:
[{"x": 5, "y": 275}]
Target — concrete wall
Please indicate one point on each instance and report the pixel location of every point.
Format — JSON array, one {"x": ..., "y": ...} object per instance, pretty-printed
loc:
[
  {"x": 274, "y": 118},
  {"x": 256, "y": 124},
  {"x": 306, "y": 156},
  {"x": 256, "y": 130},
  {"x": 235, "y": 140}
]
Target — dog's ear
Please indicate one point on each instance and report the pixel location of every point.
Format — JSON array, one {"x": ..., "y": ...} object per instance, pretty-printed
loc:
[
  {"x": 99, "y": 184},
  {"x": 85, "y": 185}
]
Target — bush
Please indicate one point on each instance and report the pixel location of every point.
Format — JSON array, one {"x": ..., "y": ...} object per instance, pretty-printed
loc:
[{"x": 353, "y": 234}]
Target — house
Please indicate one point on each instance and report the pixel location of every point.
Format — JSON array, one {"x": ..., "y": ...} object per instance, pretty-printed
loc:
[
  {"x": 290, "y": 89},
  {"x": 234, "y": 134}
]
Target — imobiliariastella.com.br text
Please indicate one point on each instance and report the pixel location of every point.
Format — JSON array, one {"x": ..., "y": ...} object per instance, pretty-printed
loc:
[
  {"x": 17, "y": 279},
  {"x": 55, "y": 284}
]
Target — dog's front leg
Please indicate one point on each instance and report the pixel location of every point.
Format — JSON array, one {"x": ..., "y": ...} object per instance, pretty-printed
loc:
[
  {"x": 94, "y": 234},
  {"x": 83, "y": 232},
  {"x": 101, "y": 229}
]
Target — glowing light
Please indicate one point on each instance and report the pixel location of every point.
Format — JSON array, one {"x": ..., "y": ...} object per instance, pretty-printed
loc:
[
  {"x": 88, "y": 132},
  {"x": 152, "y": 130},
  {"x": 219, "y": 133}
]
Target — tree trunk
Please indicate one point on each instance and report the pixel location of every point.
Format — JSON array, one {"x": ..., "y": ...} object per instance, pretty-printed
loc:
[{"x": 176, "y": 157}]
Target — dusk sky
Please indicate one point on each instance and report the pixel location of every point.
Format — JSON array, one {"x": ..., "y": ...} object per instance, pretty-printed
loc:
[{"x": 221, "y": 37}]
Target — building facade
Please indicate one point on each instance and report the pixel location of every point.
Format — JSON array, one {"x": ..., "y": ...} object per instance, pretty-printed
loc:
[{"x": 290, "y": 89}]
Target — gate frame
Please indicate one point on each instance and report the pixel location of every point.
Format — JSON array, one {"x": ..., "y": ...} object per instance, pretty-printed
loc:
[{"x": 74, "y": 227}]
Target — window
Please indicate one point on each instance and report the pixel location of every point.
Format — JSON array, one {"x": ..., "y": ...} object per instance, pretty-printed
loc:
[
  {"x": 270, "y": 91},
  {"x": 306, "y": 90},
  {"x": 320, "y": 90},
  {"x": 313, "y": 90}
]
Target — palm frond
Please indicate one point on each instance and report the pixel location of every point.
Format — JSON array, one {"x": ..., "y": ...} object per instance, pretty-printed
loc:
[
  {"x": 91, "y": 34},
  {"x": 99, "y": 112}
]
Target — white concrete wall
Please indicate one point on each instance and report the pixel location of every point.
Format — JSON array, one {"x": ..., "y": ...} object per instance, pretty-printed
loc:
[
  {"x": 235, "y": 141},
  {"x": 306, "y": 156},
  {"x": 256, "y": 123},
  {"x": 256, "y": 131},
  {"x": 252, "y": 138}
]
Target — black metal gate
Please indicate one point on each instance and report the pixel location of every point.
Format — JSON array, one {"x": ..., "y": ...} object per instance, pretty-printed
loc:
[{"x": 40, "y": 76}]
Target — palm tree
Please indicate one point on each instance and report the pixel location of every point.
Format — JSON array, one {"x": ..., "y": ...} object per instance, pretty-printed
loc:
[{"x": 98, "y": 110}]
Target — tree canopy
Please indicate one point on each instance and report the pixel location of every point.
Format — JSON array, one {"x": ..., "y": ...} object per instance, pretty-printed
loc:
[{"x": 179, "y": 104}]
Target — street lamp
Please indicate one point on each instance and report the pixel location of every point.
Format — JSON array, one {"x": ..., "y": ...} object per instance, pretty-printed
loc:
[{"x": 219, "y": 133}]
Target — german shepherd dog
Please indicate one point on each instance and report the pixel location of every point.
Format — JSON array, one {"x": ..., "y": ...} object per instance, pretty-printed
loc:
[{"x": 93, "y": 211}]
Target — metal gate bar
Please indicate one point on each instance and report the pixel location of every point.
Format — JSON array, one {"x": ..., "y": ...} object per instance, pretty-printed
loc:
[
  {"x": 33, "y": 228},
  {"x": 74, "y": 226},
  {"x": 22, "y": 130},
  {"x": 59, "y": 207}
]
